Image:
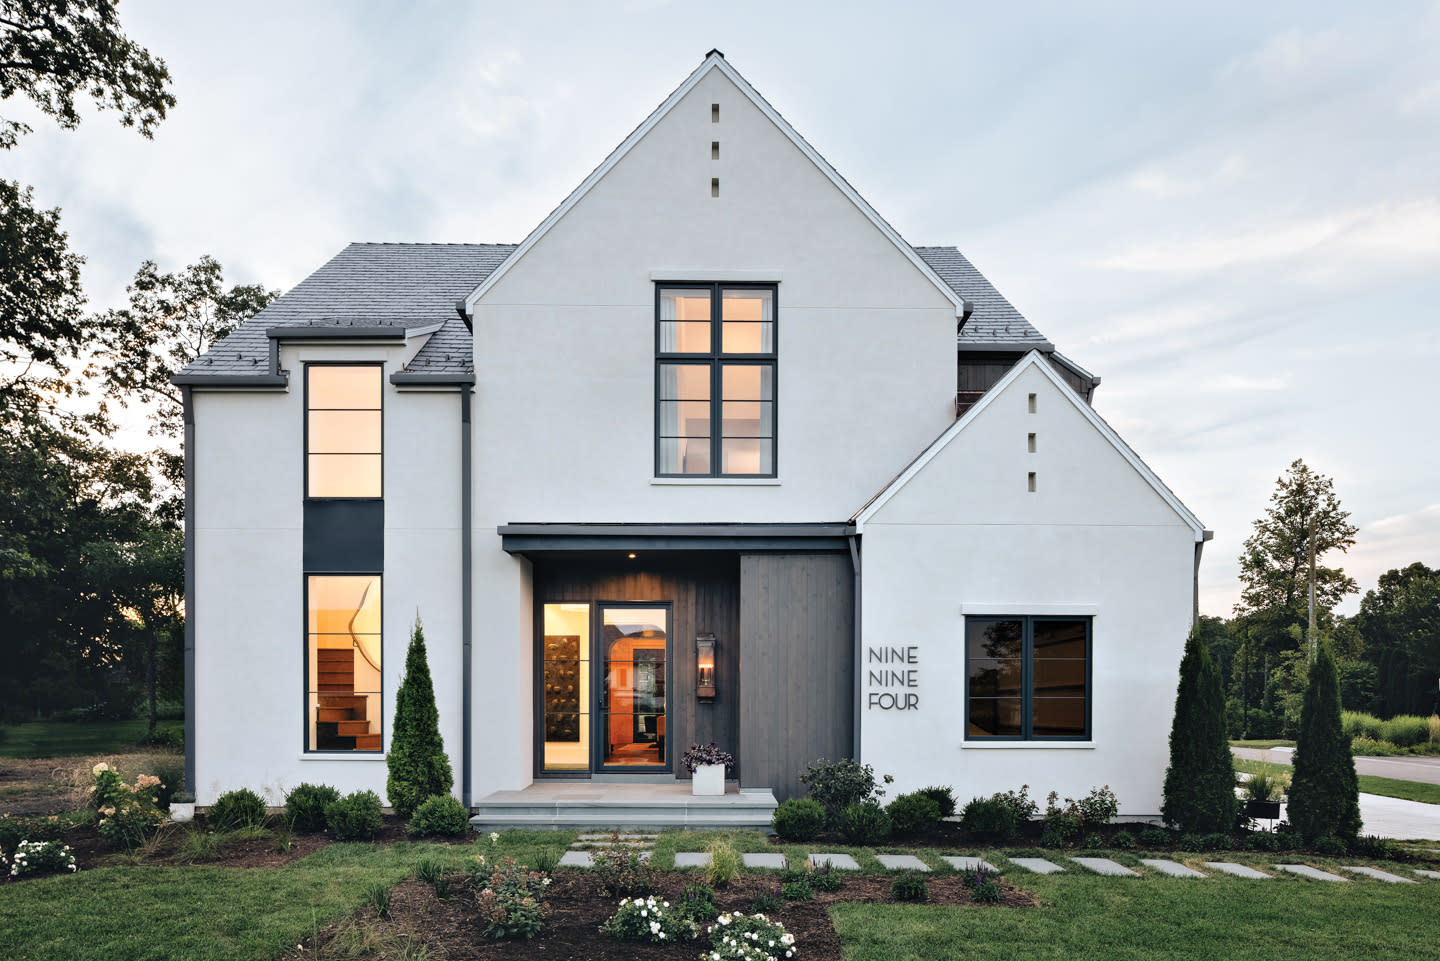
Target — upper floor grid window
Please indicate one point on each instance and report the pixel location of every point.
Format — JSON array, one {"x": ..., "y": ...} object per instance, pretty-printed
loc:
[
  {"x": 343, "y": 430},
  {"x": 715, "y": 380}
]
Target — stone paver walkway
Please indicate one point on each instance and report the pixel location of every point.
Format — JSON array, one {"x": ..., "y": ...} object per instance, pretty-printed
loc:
[
  {"x": 1038, "y": 865},
  {"x": 1428, "y": 874},
  {"x": 1306, "y": 871},
  {"x": 773, "y": 862},
  {"x": 693, "y": 859},
  {"x": 1380, "y": 875},
  {"x": 1172, "y": 868},
  {"x": 840, "y": 862},
  {"x": 902, "y": 862},
  {"x": 969, "y": 864},
  {"x": 1239, "y": 870},
  {"x": 1106, "y": 867}
]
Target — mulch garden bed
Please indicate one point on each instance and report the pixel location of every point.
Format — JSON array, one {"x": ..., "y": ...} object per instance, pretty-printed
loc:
[{"x": 576, "y": 906}]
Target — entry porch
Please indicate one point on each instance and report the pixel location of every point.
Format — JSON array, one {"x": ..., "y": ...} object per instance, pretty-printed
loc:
[{"x": 623, "y": 806}]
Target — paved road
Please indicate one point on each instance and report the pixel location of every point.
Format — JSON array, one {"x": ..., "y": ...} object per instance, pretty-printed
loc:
[{"x": 1423, "y": 769}]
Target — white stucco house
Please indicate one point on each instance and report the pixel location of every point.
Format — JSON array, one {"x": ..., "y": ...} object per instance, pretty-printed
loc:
[{"x": 712, "y": 455}]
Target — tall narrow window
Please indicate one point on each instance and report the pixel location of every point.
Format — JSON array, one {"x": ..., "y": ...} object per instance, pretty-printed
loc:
[
  {"x": 715, "y": 381},
  {"x": 343, "y": 649},
  {"x": 1028, "y": 678},
  {"x": 343, "y": 430}
]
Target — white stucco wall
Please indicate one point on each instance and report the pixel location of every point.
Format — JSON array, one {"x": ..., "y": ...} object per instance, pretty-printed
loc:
[
  {"x": 249, "y": 597},
  {"x": 565, "y": 367},
  {"x": 966, "y": 536}
]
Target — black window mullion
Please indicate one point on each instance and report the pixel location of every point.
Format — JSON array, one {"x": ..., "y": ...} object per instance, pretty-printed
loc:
[{"x": 1027, "y": 678}]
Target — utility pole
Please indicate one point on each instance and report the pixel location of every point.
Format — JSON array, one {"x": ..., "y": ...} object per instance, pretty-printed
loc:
[{"x": 1310, "y": 636}]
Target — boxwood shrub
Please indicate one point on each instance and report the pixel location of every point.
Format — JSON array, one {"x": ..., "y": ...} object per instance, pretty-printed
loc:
[
  {"x": 799, "y": 819},
  {"x": 355, "y": 817},
  {"x": 865, "y": 823},
  {"x": 440, "y": 815},
  {"x": 305, "y": 806},
  {"x": 913, "y": 814},
  {"x": 241, "y": 808},
  {"x": 989, "y": 818}
]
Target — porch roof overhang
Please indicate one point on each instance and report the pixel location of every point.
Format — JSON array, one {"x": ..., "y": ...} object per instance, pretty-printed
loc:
[{"x": 549, "y": 538}]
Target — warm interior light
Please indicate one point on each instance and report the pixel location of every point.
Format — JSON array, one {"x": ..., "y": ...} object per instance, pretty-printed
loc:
[
  {"x": 705, "y": 667},
  {"x": 631, "y": 556}
]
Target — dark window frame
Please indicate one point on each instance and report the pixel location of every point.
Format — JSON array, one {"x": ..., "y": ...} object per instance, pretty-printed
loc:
[
  {"x": 717, "y": 359},
  {"x": 305, "y": 442},
  {"x": 1027, "y": 676},
  {"x": 305, "y": 660}
]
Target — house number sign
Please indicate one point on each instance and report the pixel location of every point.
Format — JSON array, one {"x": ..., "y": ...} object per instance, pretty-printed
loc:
[{"x": 894, "y": 671}]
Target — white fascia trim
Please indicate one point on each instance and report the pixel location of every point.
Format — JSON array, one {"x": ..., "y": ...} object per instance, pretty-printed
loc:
[
  {"x": 1020, "y": 610},
  {"x": 412, "y": 332},
  {"x": 680, "y": 274},
  {"x": 716, "y": 62},
  {"x": 1036, "y": 360}
]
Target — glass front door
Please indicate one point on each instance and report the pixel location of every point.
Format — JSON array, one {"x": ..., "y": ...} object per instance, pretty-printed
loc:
[{"x": 634, "y": 647}]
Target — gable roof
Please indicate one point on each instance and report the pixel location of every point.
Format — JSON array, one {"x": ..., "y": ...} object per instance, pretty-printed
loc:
[
  {"x": 1034, "y": 359},
  {"x": 994, "y": 321},
  {"x": 410, "y": 286},
  {"x": 715, "y": 60}
]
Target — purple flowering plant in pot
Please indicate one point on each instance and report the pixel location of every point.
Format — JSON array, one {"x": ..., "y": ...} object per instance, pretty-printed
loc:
[{"x": 706, "y": 764}]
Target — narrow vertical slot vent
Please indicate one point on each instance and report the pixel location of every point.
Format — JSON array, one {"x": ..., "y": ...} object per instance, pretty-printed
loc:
[
  {"x": 714, "y": 150},
  {"x": 1030, "y": 481},
  {"x": 1032, "y": 403},
  {"x": 1030, "y": 443},
  {"x": 714, "y": 186},
  {"x": 714, "y": 113}
]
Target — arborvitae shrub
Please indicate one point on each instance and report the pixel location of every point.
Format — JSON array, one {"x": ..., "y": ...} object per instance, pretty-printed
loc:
[
  {"x": 865, "y": 823},
  {"x": 1200, "y": 782},
  {"x": 989, "y": 819},
  {"x": 417, "y": 764},
  {"x": 440, "y": 816},
  {"x": 305, "y": 806},
  {"x": 1324, "y": 791},
  {"x": 355, "y": 817},
  {"x": 913, "y": 814},
  {"x": 241, "y": 808},
  {"x": 799, "y": 819},
  {"x": 943, "y": 797}
]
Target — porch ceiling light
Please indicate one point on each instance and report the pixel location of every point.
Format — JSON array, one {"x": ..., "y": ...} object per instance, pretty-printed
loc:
[{"x": 705, "y": 667}]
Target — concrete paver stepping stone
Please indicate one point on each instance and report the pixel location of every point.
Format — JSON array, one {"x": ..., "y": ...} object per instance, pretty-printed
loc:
[
  {"x": 1428, "y": 874},
  {"x": 840, "y": 862},
  {"x": 902, "y": 862},
  {"x": 1106, "y": 867},
  {"x": 969, "y": 864},
  {"x": 1038, "y": 865},
  {"x": 1379, "y": 875},
  {"x": 1239, "y": 870},
  {"x": 692, "y": 859},
  {"x": 771, "y": 861},
  {"x": 621, "y": 836},
  {"x": 1306, "y": 871},
  {"x": 1171, "y": 868},
  {"x": 577, "y": 859}
]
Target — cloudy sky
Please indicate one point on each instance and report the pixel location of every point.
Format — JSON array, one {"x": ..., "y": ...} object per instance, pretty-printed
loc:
[{"x": 1231, "y": 214}]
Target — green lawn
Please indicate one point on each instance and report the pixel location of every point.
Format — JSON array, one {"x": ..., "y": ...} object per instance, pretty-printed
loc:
[
  {"x": 70, "y": 738},
  {"x": 1262, "y": 745},
  {"x": 1156, "y": 919},
  {"x": 1369, "y": 784}
]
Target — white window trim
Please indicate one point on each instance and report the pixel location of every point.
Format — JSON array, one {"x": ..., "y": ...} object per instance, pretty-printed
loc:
[
  {"x": 1027, "y": 745},
  {"x": 681, "y": 274},
  {"x": 343, "y": 757},
  {"x": 715, "y": 481},
  {"x": 970, "y": 609}
]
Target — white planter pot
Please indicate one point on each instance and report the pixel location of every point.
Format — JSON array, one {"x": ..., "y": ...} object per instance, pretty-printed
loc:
[
  {"x": 182, "y": 812},
  {"x": 708, "y": 779}
]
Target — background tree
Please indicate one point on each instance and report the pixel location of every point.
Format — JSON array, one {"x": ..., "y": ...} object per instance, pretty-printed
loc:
[
  {"x": 1399, "y": 623},
  {"x": 417, "y": 763},
  {"x": 1200, "y": 782},
  {"x": 1324, "y": 791}
]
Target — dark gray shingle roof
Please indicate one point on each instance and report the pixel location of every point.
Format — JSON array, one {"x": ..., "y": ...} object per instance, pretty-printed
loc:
[
  {"x": 995, "y": 321},
  {"x": 372, "y": 285}
]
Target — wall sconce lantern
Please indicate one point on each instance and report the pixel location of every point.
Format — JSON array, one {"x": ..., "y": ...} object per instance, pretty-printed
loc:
[{"x": 705, "y": 667}]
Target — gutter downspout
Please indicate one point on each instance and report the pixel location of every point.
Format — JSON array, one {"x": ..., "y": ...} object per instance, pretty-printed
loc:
[
  {"x": 857, "y": 655},
  {"x": 188, "y": 407},
  {"x": 466, "y": 600}
]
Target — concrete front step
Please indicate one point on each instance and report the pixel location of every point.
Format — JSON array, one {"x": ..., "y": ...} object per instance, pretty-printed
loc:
[{"x": 630, "y": 807}]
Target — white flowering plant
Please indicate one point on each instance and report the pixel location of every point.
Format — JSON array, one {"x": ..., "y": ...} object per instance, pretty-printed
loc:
[
  {"x": 650, "y": 919},
  {"x": 749, "y": 937},
  {"x": 39, "y": 857}
]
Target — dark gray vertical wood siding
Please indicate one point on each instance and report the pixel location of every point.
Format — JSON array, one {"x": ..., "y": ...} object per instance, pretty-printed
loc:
[
  {"x": 705, "y": 594},
  {"x": 796, "y": 670}
]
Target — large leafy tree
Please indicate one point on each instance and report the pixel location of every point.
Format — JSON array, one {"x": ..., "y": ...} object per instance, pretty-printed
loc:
[
  {"x": 171, "y": 319},
  {"x": 1275, "y": 562},
  {"x": 1399, "y": 622}
]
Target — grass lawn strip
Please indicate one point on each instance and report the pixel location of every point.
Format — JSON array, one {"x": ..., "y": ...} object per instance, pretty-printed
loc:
[
  {"x": 1369, "y": 784},
  {"x": 69, "y": 738}
]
